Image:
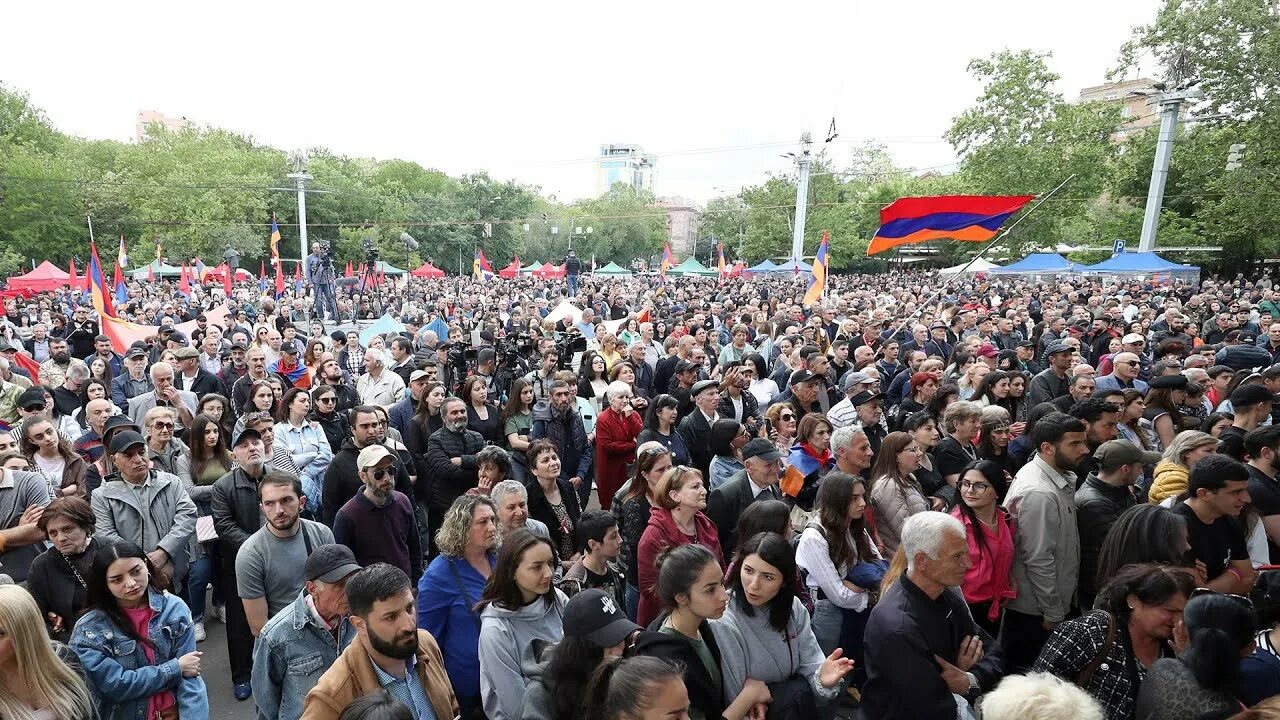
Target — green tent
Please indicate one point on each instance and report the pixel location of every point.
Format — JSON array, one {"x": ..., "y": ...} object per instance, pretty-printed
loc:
[
  {"x": 612, "y": 269},
  {"x": 531, "y": 268},
  {"x": 160, "y": 270},
  {"x": 691, "y": 266},
  {"x": 387, "y": 268}
]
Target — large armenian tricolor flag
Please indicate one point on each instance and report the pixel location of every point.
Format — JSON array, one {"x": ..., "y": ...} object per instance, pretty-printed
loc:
[{"x": 971, "y": 218}]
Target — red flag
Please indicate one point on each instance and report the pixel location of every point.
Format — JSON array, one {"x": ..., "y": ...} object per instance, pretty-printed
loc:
[
  {"x": 227, "y": 280},
  {"x": 297, "y": 273},
  {"x": 151, "y": 273},
  {"x": 349, "y": 272},
  {"x": 279, "y": 281},
  {"x": 73, "y": 281},
  {"x": 184, "y": 282},
  {"x": 28, "y": 363}
]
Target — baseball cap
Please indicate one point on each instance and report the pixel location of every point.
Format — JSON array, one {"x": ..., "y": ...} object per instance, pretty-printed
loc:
[
  {"x": 178, "y": 337},
  {"x": 32, "y": 397},
  {"x": 1114, "y": 453},
  {"x": 1026, "y": 343},
  {"x": 289, "y": 347},
  {"x": 330, "y": 563},
  {"x": 987, "y": 350},
  {"x": 417, "y": 375},
  {"x": 1133, "y": 338},
  {"x": 1169, "y": 382},
  {"x": 854, "y": 378},
  {"x": 115, "y": 422},
  {"x": 137, "y": 350},
  {"x": 245, "y": 433},
  {"x": 594, "y": 615},
  {"x": 102, "y": 338},
  {"x": 685, "y": 366},
  {"x": 126, "y": 439},
  {"x": 239, "y": 345},
  {"x": 865, "y": 397},
  {"x": 166, "y": 329},
  {"x": 800, "y": 376},
  {"x": 760, "y": 448},
  {"x": 372, "y": 455},
  {"x": 1247, "y": 395}
]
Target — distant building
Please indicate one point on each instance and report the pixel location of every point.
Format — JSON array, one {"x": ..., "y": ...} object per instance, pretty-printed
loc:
[
  {"x": 1132, "y": 96},
  {"x": 682, "y": 224},
  {"x": 147, "y": 118},
  {"x": 627, "y": 164}
]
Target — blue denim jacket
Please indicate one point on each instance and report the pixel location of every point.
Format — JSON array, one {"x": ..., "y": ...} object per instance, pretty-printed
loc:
[
  {"x": 122, "y": 680},
  {"x": 291, "y": 653}
]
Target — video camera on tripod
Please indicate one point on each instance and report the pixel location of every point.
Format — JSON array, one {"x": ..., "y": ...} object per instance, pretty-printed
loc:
[{"x": 572, "y": 342}]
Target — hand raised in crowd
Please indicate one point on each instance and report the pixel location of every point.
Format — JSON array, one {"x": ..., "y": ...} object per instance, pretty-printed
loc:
[
  {"x": 56, "y": 622},
  {"x": 31, "y": 515},
  {"x": 836, "y": 666}
]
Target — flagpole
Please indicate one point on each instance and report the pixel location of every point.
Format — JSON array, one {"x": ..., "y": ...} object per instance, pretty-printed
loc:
[
  {"x": 90, "y": 219},
  {"x": 994, "y": 241}
]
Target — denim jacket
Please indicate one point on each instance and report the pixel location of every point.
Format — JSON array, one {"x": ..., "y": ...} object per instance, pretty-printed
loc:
[
  {"x": 122, "y": 680},
  {"x": 291, "y": 653}
]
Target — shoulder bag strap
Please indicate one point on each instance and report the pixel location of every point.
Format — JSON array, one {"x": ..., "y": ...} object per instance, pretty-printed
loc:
[
  {"x": 1086, "y": 675},
  {"x": 457, "y": 581}
]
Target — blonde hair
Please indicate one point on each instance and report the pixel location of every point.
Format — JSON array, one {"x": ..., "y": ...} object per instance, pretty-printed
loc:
[
  {"x": 1039, "y": 695},
  {"x": 52, "y": 684}
]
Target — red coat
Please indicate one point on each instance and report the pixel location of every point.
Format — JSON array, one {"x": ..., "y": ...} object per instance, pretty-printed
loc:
[
  {"x": 615, "y": 448},
  {"x": 661, "y": 534}
]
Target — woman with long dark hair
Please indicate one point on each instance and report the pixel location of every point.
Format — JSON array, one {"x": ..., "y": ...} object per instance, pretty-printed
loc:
[
  {"x": 51, "y": 456},
  {"x": 306, "y": 443},
  {"x": 593, "y": 379},
  {"x": 1016, "y": 403},
  {"x": 262, "y": 398},
  {"x": 727, "y": 438},
  {"x": 1203, "y": 680},
  {"x": 924, "y": 429},
  {"x": 660, "y": 427},
  {"x": 637, "y": 688},
  {"x": 218, "y": 408},
  {"x": 994, "y": 438},
  {"x": 766, "y": 635},
  {"x": 137, "y": 643},
  {"x": 1163, "y": 412},
  {"x": 92, "y": 389},
  {"x": 988, "y": 530},
  {"x": 517, "y": 424},
  {"x": 993, "y": 389},
  {"x": 895, "y": 494},
  {"x": 632, "y": 506},
  {"x": 942, "y": 397},
  {"x": 691, "y": 589},
  {"x": 482, "y": 415},
  {"x": 811, "y": 457},
  {"x": 519, "y": 605}
]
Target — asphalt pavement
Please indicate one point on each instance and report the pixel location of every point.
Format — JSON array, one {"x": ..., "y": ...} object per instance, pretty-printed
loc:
[{"x": 216, "y": 672}]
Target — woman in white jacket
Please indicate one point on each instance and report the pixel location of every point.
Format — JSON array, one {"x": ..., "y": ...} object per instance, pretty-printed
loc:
[{"x": 519, "y": 607}]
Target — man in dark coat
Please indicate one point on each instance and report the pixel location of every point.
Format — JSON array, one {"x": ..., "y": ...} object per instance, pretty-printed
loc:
[
  {"x": 757, "y": 481},
  {"x": 559, "y": 422},
  {"x": 342, "y": 478},
  {"x": 1102, "y": 498},
  {"x": 451, "y": 455},
  {"x": 695, "y": 428}
]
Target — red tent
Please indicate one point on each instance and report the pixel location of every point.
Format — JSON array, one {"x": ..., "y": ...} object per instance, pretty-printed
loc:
[
  {"x": 214, "y": 275},
  {"x": 428, "y": 271},
  {"x": 46, "y": 276},
  {"x": 549, "y": 271},
  {"x": 511, "y": 271}
]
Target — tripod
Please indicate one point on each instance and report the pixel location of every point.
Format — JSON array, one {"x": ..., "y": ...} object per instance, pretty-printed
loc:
[{"x": 369, "y": 288}]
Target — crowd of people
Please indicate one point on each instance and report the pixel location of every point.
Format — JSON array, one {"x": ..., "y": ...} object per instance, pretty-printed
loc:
[{"x": 630, "y": 498}]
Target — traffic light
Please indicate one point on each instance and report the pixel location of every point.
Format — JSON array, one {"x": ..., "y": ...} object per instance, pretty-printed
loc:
[{"x": 1235, "y": 154}]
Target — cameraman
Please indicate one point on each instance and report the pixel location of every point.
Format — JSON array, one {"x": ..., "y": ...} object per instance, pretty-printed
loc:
[
  {"x": 320, "y": 274},
  {"x": 486, "y": 365}
]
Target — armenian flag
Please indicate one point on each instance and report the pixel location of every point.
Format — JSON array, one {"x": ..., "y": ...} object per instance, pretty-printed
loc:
[
  {"x": 969, "y": 218},
  {"x": 122, "y": 295},
  {"x": 821, "y": 264},
  {"x": 98, "y": 285},
  {"x": 480, "y": 268},
  {"x": 122, "y": 257},
  {"x": 275, "y": 240},
  {"x": 200, "y": 270},
  {"x": 667, "y": 263}
]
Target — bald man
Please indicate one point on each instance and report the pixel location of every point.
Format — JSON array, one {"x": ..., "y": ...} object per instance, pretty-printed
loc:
[{"x": 1124, "y": 374}]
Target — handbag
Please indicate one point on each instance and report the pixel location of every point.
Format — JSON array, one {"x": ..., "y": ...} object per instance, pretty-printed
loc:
[{"x": 205, "y": 530}]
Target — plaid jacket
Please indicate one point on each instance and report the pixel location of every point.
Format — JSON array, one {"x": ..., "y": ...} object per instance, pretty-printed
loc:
[{"x": 1075, "y": 643}]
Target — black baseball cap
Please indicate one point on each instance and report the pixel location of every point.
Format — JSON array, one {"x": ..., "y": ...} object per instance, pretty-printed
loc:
[
  {"x": 126, "y": 439},
  {"x": 595, "y": 616},
  {"x": 289, "y": 347},
  {"x": 801, "y": 376},
  {"x": 137, "y": 350},
  {"x": 244, "y": 433},
  {"x": 760, "y": 448},
  {"x": 31, "y": 397},
  {"x": 330, "y": 563}
]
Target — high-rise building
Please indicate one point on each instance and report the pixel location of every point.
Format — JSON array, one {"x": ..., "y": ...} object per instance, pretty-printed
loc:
[
  {"x": 1132, "y": 96},
  {"x": 682, "y": 224},
  {"x": 147, "y": 118},
  {"x": 627, "y": 164}
]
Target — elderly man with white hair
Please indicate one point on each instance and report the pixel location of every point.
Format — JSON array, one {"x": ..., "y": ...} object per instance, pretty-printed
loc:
[
  {"x": 379, "y": 386},
  {"x": 925, "y": 656},
  {"x": 512, "y": 500}
]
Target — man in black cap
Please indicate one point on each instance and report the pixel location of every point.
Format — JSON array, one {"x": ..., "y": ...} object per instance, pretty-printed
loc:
[
  {"x": 1251, "y": 404},
  {"x": 592, "y": 615},
  {"x": 758, "y": 480},
  {"x": 1052, "y": 382},
  {"x": 695, "y": 428},
  {"x": 146, "y": 507},
  {"x": 1106, "y": 492},
  {"x": 313, "y": 627},
  {"x": 134, "y": 381},
  {"x": 237, "y": 515},
  {"x": 682, "y": 382},
  {"x": 937, "y": 345},
  {"x": 9, "y": 351},
  {"x": 806, "y": 389},
  {"x": 102, "y": 348},
  {"x": 870, "y": 408},
  {"x": 233, "y": 368}
]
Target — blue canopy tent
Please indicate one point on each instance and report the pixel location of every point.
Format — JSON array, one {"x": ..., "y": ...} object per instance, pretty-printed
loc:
[
  {"x": 764, "y": 267},
  {"x": 1142, "y": 263},
  {"x": 793, "y": 266},
  {"x": 1039, "y": 264}
]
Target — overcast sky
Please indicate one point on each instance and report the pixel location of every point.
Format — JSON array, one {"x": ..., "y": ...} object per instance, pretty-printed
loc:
[{"x": 529, "y": 91}]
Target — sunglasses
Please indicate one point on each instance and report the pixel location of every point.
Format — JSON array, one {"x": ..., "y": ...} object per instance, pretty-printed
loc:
[
  {"x": 380, "y": 473},
  {"x": 326, "y": 400},
  {"x": 162, "y": 425},
  {"x": 788, "y": 417},
  {"x": 1241, "y": 599}
]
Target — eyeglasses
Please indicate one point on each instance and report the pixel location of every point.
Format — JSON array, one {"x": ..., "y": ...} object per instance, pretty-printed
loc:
[
  {"x": 1131, "y": 363},
  {"x": 1241, "y": 599},
  {"x": 34, "y": 408},
  {"x": 979, "y": 487}
]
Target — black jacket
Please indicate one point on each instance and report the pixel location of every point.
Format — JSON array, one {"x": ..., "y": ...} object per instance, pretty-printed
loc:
[
  {"x": 696, "y": 434},
  {"x": 1098, "y": 505},
  {"x": 448, "y": 481},
  {"x": 905, "y": 630},
  {"x": 236, "y": 514},
  {"x": 704, "y": 691},
  {"x": 750, "y": 407},
  {"x": 56, "y": 590},
  {"x": 342, "y": 480},
  {"x": 540, "y": 509},
  {"x": 567, "y": 433},
  {"x": 725, "y": 506},
  {"x": 336, "y": 428},
  {"x": 205, "y": 383}
]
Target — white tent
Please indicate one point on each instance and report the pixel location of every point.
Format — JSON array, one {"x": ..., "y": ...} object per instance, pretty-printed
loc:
[{"x": 979, "y": 265}]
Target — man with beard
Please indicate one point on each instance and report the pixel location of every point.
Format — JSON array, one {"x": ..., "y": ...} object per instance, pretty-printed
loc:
[
  {"x": 378, "y": 523},
  {"x": 269, "y": 565},
  {"x": 1052, "y": 382},
  {"x": 389, "y": 651},
  {"x": 237, "y": 515},
  {"x": 559, "y": 422},
  {"x": 234, "y": 369},
  {"x": 342, "y": 479},
  {"x": 1046, "y": 568},
  {"x": 805, "y": 389},
  {"x": 331, "y": 374},
  {"x": 102, "y": 349},
  {"x": 53, "y": 372},
  {"x": 256, "y": 359}
]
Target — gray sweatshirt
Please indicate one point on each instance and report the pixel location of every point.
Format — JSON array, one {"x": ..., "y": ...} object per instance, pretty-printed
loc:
[
  {"x": 751, "y": 648},
  {"x": 507, "y": 653}
]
